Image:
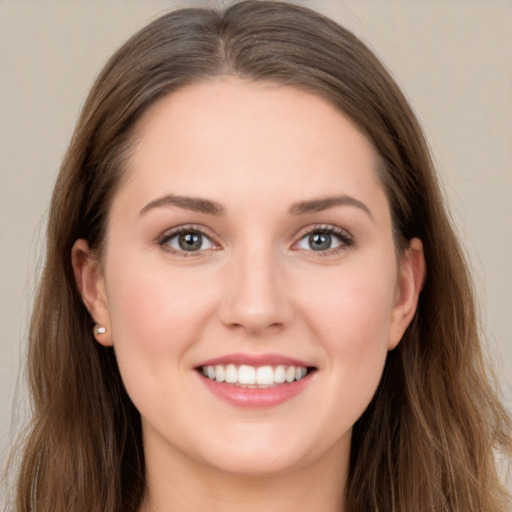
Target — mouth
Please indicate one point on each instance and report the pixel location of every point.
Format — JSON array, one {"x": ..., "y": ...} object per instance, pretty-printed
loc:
[
  {"x": 258, "y": 377},
  {"x": 255, "y": 381}
]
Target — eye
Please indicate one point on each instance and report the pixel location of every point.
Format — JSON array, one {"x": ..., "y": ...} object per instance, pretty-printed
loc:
[
  {"x": 187, "y": 240},
  {"x": 324, "y": 239}
]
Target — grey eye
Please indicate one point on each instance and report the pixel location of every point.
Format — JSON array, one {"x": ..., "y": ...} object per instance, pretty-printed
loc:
[
  {"x": 319, "y": 241},
  {"x": 189, "y": 241}
]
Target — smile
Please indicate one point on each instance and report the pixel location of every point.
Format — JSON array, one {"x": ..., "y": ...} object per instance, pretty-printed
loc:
[
  {"x": 254, "y": 376},
  {"x": 255, "y": 381}
]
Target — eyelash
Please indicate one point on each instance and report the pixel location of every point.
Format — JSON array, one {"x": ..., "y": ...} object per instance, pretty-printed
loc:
[
  {"x": 345, "y": 238},
  {"x": 164, "y": 240}
]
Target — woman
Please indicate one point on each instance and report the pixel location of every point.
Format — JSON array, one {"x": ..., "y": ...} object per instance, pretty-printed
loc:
[{"x": 253, "y": 296}]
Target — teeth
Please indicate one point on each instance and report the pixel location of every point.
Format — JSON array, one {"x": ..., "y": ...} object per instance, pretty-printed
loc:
[
  {"x": 290, "y": 374},
  {"x": 220, "y": 373},
  {"x": 265, "y": 375},
  {"x": 279, "y": 374},
  {"x": 247, "y": 374},
  {"x": 231, "y": 374},
  {"x": 300, "y": 373},
  {"x": 251, "y": 376}
]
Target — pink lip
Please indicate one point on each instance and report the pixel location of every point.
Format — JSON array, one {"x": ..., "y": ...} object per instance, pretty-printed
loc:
[
  {"x": 255, "y": 397},
  {"x": 254, "y": 360}
]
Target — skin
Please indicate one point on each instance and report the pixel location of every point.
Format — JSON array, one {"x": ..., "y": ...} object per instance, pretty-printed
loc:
[{"x": 256, "y": 286}]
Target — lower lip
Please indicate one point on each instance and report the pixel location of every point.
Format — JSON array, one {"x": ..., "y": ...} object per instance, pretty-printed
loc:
[{"x": 255, "y": 397}]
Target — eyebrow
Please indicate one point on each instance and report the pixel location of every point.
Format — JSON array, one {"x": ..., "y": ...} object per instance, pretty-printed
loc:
[
  {"x": 324, "y": 203},
  {"x": 195, "y": 204}
]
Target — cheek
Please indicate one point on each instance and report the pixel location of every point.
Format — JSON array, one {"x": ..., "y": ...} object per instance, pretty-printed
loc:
[
  {"x": 151, "y": 304},
  {"x": 354, "y": 302},
  {"x": 351, "y": 316},
  {"x": 155, "y": 315}
]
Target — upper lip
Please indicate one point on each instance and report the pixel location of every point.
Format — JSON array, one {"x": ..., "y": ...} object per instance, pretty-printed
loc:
[{"x": 254, "y": 360}]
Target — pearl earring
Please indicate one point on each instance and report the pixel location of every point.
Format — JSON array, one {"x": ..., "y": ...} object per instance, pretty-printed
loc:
[{"x": 99, "y": 329}]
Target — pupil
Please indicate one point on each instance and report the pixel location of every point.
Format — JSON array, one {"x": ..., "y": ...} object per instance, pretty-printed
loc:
[
  {"x": 320, "y": 241},
  {"x": 190, "y": 241}
]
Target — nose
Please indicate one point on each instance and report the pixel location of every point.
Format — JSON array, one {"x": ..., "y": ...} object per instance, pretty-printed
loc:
[{"x": 256, "y": 297}]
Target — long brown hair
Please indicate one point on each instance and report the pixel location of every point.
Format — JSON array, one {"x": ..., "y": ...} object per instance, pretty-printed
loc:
[{"x": 428, "y": 438}]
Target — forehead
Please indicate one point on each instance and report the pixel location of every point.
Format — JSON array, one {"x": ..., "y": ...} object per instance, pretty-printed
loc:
[{"x": 235, "y": 138}]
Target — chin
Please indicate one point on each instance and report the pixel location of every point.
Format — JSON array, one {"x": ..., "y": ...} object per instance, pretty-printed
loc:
[
  {"x": 258, "y": 463},
  {"x": 269, "y": 452}
]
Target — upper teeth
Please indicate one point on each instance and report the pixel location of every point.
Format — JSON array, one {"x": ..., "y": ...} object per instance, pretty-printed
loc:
[{"x": 246, "y": 375}]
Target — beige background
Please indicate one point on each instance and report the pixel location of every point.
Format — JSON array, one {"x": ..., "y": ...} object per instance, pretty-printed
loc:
[{"x": 452, "y": 57}]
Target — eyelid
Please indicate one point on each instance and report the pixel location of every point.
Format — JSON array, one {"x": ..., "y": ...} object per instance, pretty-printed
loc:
[
  {"x": 346, "y": 238},
  {"x": 187, "y": 228},
  {"x": 343, "y": 235}
]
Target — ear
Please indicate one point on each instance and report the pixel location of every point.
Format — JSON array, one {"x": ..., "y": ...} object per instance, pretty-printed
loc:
[
  {"x": 91, "y": 285},
  {"x": 410, "y": 281}
]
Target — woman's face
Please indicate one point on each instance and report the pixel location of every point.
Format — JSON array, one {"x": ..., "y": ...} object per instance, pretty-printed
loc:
[{"x": 250, "y": 244}]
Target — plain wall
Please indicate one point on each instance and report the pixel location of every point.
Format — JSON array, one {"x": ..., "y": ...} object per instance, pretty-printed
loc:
[{"x": 453, "y": 58}]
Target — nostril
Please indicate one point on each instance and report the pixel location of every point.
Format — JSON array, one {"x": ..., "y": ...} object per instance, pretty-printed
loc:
[
  {"x": 255, "y": 326},
  {"x": 256, "y": 303}
]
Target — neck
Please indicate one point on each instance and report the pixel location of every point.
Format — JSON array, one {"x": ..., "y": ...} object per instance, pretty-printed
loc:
[{"x": 182, "y": 485}]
